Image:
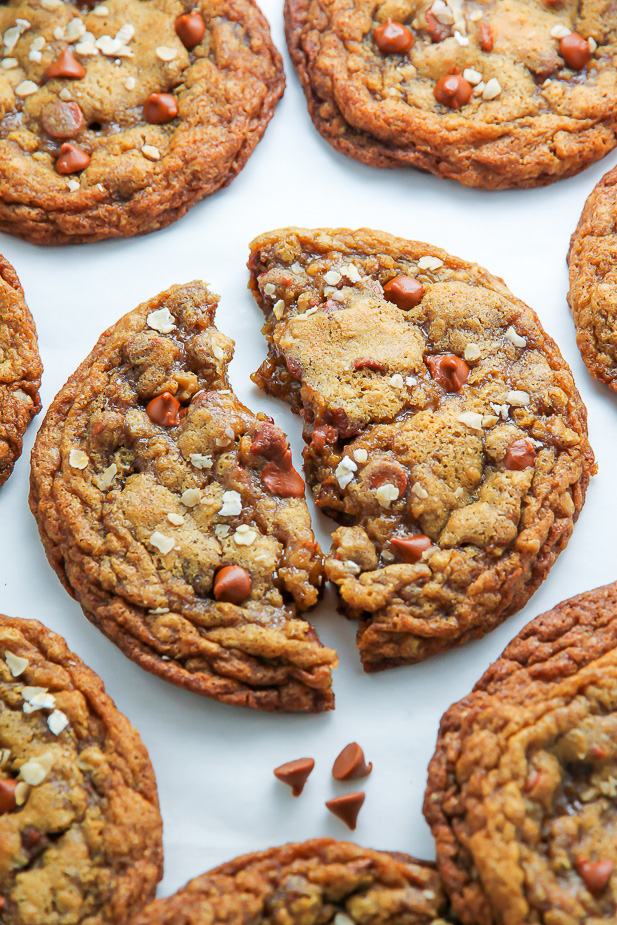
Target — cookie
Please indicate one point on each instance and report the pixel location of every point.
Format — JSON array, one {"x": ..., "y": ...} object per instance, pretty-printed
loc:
[
  {"x": 593, "y": 282},
  {"x": 507, "y": 93},
  {"x": 317, "y": 881},
  {"x": 521, "y": 790},
  {"x": 175, "y": 516},
  {"x": 20, "y": 368},
  {"x": 119, "y": 116},
  {"x": 444, "y": 430},
  {"x": 79, "y": 818}
]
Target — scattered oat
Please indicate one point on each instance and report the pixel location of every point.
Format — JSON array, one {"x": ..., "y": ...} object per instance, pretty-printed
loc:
[
  {"x": 125, "y": 33},
  {"x": 471, "y": 419},
  {"x": 26, "y": 88},
  {"x": 360, "y": 455},
  {"x": 386, "y": 494},
  {"x": 78, "y": 459},
  {"x": 461, "y": 39},
  {"x": 472, "y": 76},
  {"x": 410, "y": 381},
  {"x": 51, "y": 4},
  {"x": 592, "y": 44},
  {"x": 429, "y": 263},
  {"x": 232, "y": 504},
  {"x": 161, "y": 320},
  {"x": 492, "y": 89},
  {"x": 332, "y": 277},
  {"x": 222, "y": 530},
  {"x": 472, "y": 352},
  {"x": 201, "y": 462},
  {"x": 65, "y": 94},
  {"x": 9, "y": 63},
  {"x": 86, "y": 48},
  {"x": 41, "y": 700},
  {"x": 396, "y": 381},
  {"x": 352, "y": 273},
  {"x": 57, "y": 722},
  {"x": 419, "y": 491},
  {"x": 442, "y": 12},
  {"x": 560, "y": 30},
  {"x": 130, "y": 83},
  {"x": 176, "y": 519},
  {"x": 35, "y": 770},
  {"x": 190, "y": 497},
  {"x": 151, "y": 152},
  {"x": 228, "y": 436},
  {"x": 489, "y": 420},
  {"x": 218, "y": 352},
  {"x": 17, "y": 664},
  {"x": 22, "y": 791},
  {"x": 105, "y": 479},
  {"x": 101, "y": 10},
  {"x": 344, "y": 472},
  {"x": 269, "y": 289},
  {"x": 73, "y": 185},
  {"x": 515, "y": 338},
  {"x": 278, "y": 308},
  {"x": 163, "y": 543},
  {"x": 165, "y": 53},
  {"x": 458, "y": 493},
  {"x": 157, "y": 610},
  {"x": 245, "y": 535},
  {"x": 518, "y": 398},
  {"x": 342, "y": 919}
]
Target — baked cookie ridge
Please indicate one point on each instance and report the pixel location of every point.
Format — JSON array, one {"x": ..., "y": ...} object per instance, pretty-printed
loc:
[
  {"x": 175, "y": 516},
  {"x": 80, "y": 827},
  {"x": 317, "y": 881},
  {"x": 444, "y": 431},
  {"x": 520, "y": 794},
  {"x": 20, "y": 368}
]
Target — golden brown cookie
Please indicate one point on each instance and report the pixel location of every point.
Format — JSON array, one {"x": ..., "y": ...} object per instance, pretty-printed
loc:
[
  {"x": 444, "y": 431},
  {"x": 593, "y": 281},
  {"x": 80, "y": 830},
  {"x": 521, "y": 790},
  {"x": 117, "y": 117},
  {"x": 20, "y": 368},
  {"x": 175, "y": 515},
  {"x": 503, "y": 93},
  {"x": 314, "y": 882}
]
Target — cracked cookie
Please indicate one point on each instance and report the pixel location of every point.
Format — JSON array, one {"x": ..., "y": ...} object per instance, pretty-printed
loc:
[
  {"x": 521, "y": 790},
  {"x": 444, "y": 431},
  {"x": 80, "y": 828},
  {"x": 593, "y": 281},
  {"x": 20, "y": 368},
  {"x": 495, "y": 94},
  {"x": 317, "y": 881},
  {"x": 116, "y": 117},
  {"x": 175, "y": 516}
]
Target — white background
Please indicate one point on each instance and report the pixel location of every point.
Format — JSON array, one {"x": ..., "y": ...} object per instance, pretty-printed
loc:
[{"x": 214, "y": 763}]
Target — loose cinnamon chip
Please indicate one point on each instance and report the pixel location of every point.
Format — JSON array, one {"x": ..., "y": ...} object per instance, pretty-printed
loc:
[
  {"x": 410, "y": 548},
  {"x": 295, "y": 774},
  {"x": 280, "y": 477},
  {"x": 351, "y": 764},
  {"x": 8, "y": 802},
  {"x": 369, "y": 363},
  {"x": 521, "y": 454},
  {"x": 448, "y": 370},
  {"x": 65, "y": 65},
  {"x": 164, "y": 410},
  {"x": 347, "y": 808}
]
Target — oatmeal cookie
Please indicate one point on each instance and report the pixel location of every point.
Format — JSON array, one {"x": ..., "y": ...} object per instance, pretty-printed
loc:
[
  {"x": 495, "y": 94},
  {"x": 117, "y": 117},
  {"x": 317, "y": 881},
  {"x": 175, "y": 516},
  {"x": 80, "y": 830},
  {"x": 444, "y": 430},
  {"x": 20, "y": 368},
  {"x": 521, "y": 791},
  {"x": 593, "y": 281}
]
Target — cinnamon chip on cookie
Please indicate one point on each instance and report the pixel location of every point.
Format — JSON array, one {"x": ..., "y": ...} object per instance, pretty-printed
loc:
[
  {"x": 119, "y": 116},
  {"x": 148, "y": 487},
  {"x": 455, "y": 462},
  {"x": 506, "y": 93}
]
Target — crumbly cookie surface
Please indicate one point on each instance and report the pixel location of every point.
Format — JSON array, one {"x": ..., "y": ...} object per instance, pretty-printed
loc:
[
  {"x": 20, "y": 368},
  {"x": 80, "y": 830},
  {"x": 320, "y": 881},
  {"x": 527, "y": 110},
  {"x": 136, "y": 123},
  {"x": 444, "y": 532},
  {"x": 175, "y": 516},
  {"x": 593, "y": 281},
  {"x": 521, "y": 790}
]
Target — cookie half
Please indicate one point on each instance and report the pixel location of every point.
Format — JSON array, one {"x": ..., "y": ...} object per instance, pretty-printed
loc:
[
  {"x": 317, "y": 881},
  {"x": 120, "y": 116},
  {"x": 79, "y": 818},
  {"x": 444, "y": 431},
  {"x": 174, "y": 514},
  {"x": 521, "y": 790},
  {"x": 20, "y": 368},
  {"x": 593, "y": 281},
  {"x": 509, "y": 93}
]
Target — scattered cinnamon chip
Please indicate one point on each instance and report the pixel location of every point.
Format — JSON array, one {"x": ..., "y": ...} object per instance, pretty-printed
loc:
[
  {"x": 295, "y": 773},
  {"x": 351, "y": 764},
  {"x": 347, "y": 807}
]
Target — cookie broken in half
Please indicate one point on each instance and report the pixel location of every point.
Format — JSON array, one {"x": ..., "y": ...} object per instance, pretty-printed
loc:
[
  {"x": 175, "y": 516},
  {"x": 444, "y": 431}
]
